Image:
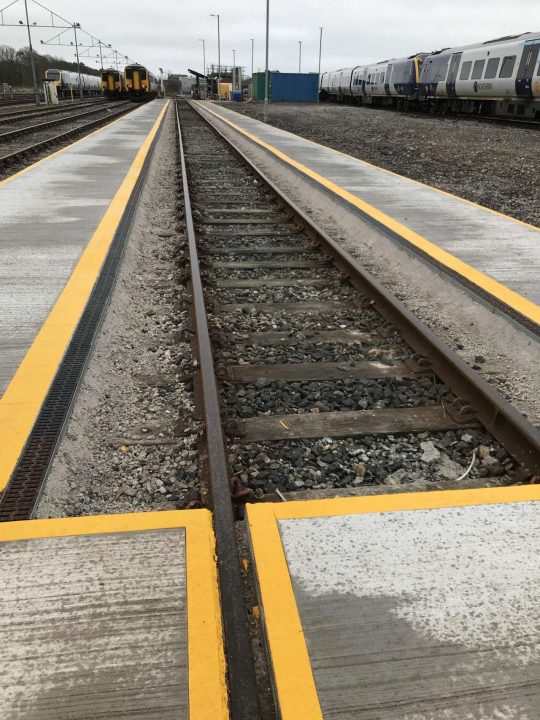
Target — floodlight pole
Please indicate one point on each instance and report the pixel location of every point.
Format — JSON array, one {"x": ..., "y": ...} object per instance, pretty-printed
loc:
[
  {"x": 81, "y": 94},
  {"x": 204, "y": 66},
  {"x": 32, "y": 63},
  {"x": 320, "y": 54},
  {"x": 266, "y": 78},
  {"x": 252, "y": 44},
  {"x": 216, "y": 15}
]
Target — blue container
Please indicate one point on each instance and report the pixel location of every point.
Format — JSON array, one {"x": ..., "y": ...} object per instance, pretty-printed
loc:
[
  {"x": 294, "y": 87},
  {"x": 236, "y": 94}
]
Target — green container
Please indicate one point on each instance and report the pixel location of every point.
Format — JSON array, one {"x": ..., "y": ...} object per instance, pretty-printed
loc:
[{"x": 258, "y": 86}]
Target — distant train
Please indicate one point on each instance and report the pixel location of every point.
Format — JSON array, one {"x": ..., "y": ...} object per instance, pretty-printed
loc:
[
  {"x": 140, "y": 83},
  {"x": 65, "y": 81},
  {"x": 113, "y": 83},
  {"x": 498, "y": 77}
]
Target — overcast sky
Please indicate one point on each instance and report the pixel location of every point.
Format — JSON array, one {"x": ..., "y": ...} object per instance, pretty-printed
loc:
[{"x": 165, "y": 33}]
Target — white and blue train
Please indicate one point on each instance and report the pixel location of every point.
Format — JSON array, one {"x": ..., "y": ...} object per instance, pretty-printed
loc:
[
  {"x": 66, "y": 80},
  {"x": 499, "y": 77}
]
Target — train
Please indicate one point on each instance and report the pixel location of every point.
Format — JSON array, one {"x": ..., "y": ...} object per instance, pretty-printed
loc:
[
  {"x": 497, "y": 77},
  {"x": 140, "y": 83},
  {"x": 113, "y": 83},
  {"x": 66, "y": 80}
]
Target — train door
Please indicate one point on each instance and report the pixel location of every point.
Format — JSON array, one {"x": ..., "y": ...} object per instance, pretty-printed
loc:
[
  {"x": 526, "y": 68},
  {"x": 452, "y": 74},
  {"x": 136, "y": 80},
  {"x": 387, "y": 79}
]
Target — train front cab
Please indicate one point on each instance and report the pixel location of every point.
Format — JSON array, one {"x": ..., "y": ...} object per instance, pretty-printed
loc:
[
  {"x": 112, "y": 83},
  {"x": 137, "y": 82}
]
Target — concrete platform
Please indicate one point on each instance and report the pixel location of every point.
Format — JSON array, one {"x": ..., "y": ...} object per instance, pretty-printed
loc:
[
  {"x": 415, "y": 606},
  {"x": 111, "y": 617},
  {"x": 58, "y": 218},
  {"x": 495, "y": 255}
]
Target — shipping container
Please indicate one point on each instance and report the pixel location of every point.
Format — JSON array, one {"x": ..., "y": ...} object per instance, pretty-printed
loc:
[{"x": 287, "y": 87}]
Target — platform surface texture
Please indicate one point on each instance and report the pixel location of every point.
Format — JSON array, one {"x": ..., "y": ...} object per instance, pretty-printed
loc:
[
  {"x": 419, "y": 613},
  {"x": 99, "y": 619},
  {"x": 48, "y": 214},
  {"x": 493, "y": 251}
]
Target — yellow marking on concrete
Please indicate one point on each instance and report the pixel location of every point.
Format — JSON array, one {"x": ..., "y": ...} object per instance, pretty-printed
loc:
[
  {"x": 397, "y": 175},
  {"x": 477, "y": 277},
  {"x": 206, "y": 661},
  {"x": 57, "y": 152},
  {"x": 291, "y": 666},
  {"x": 24, "y": 396},
  {"x": 293, "y": 677}
]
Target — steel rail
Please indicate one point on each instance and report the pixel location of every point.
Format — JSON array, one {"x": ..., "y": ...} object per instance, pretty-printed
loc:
[
  {"x": 18, "y": 116},
  {"x": 18, "y": 155},
  {"x": 520, "y": 438},
  {"x": 51, "y": 123},
  {"x": 244, "y": 703}
]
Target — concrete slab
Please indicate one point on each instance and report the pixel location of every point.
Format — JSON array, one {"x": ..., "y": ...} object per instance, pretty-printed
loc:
[
  {"x": 48, "y": 214},
  {"x": 110, "y": 617},
  {"x": 59, "y": 218},
  {"x": 496, "y": 253},
  {"x": 421, "y": 606}
]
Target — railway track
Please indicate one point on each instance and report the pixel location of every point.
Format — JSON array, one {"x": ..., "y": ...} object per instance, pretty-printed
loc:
[
  {"x": 310, "y": 372},
  {"x": 17, "y": 116},
  {"x": 21, "y": 154},
  {"x": 38, "y": 127},
  {"x": 305, "y": 359}
]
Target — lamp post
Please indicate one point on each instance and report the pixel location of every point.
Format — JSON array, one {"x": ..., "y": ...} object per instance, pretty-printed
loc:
[
  {"x": 75, "y": 26},
  {"x": 299, "y": 56},
  {"x": 252, "y": 45},
  {"x": 234, "y": 58},
  {"x": 320, "y": 51},
  {"x": 216, "y": 15},
  {"x": 265, "y": 115},
  {"x": 32, "y": 63},
  {"x": 204, "y": 63}
]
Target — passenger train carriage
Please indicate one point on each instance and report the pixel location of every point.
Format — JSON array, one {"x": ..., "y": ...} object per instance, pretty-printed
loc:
[
  {"x": 500, "y": 76},
  {"x": 113, "y": 83},
  {"x": 141, "y": 84},
  {"x": 66, "y": 79}
]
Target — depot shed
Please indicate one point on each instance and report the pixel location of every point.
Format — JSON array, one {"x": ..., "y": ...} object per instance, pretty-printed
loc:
[{"x": 287, "y": 87}]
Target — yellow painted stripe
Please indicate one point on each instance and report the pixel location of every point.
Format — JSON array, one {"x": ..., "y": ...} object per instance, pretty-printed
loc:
[
  {"x": 207, "y": 686},
  {"x": 291, "y": 666},
  {"x": 24, "y": 396},
  {"x": 484, "y": 282},
  {"x": 206, "y": 661}
]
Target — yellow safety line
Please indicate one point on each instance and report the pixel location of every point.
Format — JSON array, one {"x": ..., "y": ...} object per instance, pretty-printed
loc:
[
  {"x": 207, "y": 686},
  {"x": 291, "y": 666},
  {"x": 289, "y": 659},
  {"x": 509, "y": 297},
  {"x": 24, "y": 396},
  {"x": 206, "y": 661},
  {"x": 394, "y": 174}
]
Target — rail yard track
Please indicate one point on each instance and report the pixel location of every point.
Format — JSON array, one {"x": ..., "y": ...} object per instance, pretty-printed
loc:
[
  {"x": 13, "y": 116},
  {"x": 309, "y": 371}
]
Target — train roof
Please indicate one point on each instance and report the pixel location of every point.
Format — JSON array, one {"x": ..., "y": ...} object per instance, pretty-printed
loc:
[{"x": 496, "y": 41}]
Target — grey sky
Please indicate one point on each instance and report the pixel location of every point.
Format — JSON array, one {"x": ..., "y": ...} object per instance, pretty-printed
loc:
[{"x": 165, "y": 33}]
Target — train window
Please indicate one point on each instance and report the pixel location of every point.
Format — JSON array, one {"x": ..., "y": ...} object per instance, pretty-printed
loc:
[
  {"x": 382, "y": 77},
  {"x": 507, "y": 67},
  {"x": 491, "y": 69},
  {"x": 465, "y": 70},
  {"x": 478, "y": 69},
  {"x": 143, "y": 74}
]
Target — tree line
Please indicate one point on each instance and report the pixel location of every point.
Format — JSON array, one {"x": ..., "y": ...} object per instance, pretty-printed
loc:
[{"x": 16, "y": 68}]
